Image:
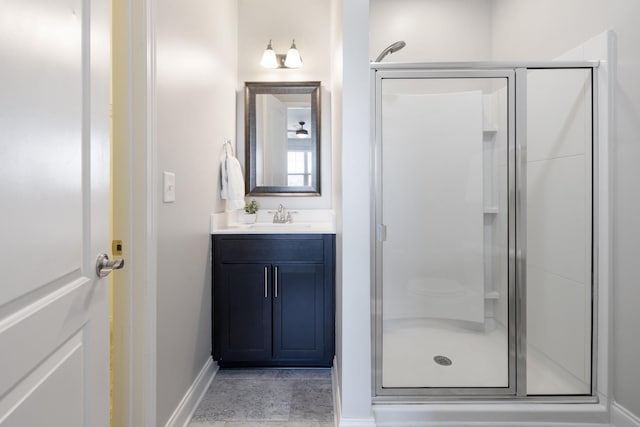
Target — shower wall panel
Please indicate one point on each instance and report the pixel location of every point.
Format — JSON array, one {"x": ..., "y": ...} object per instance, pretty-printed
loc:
[
  {"x": 559, "y": 144},
  {"x": 433, "y": 265}
]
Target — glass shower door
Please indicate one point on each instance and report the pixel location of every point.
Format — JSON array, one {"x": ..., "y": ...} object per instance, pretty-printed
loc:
[{"x": 444, "y": 226}]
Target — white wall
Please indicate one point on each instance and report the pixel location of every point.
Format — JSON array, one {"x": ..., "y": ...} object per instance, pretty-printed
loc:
[
  {"x": 355, "y": 361},
  {"x": 626, "y": 205},
  {"x": 196, "y": 80},
  {"x": 544, "y": 29},
  {"x": 434, "y": 30},
  {"x": 306, "y": 21},
  {"x": 336, "y": 24}
]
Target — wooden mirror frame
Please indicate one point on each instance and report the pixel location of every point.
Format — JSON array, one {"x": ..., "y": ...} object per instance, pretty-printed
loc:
[{"x": 258, "y": 88}]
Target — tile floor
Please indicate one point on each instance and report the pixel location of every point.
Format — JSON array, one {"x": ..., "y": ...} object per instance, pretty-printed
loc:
[{"x": 267, "y": 398}]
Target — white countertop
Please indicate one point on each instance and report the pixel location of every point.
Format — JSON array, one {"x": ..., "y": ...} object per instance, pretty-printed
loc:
[{"x": 310, "y": 221}]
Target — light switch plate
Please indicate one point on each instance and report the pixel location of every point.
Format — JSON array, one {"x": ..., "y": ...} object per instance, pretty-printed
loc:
[{"x": 169, "y": 194}]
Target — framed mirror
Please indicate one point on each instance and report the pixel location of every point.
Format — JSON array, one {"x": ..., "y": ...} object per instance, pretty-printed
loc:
[{"x": 282, "y": 134}]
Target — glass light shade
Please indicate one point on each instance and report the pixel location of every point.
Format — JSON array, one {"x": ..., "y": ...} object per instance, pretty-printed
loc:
[
  {"x": 269, "y": 59},
  {"x": 293, "y": 59}
]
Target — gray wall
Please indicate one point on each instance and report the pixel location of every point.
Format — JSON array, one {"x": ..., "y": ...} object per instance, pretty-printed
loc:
[{"x": 196, "y": 80}]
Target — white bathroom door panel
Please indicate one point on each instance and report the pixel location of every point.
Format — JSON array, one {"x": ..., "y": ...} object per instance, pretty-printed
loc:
[
  {"x": 275, "y": 142},
  {"x": 54, "y": 183}
]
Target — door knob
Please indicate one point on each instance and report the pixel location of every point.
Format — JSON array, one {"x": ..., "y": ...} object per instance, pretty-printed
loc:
[{"x": 104, "y": 266}]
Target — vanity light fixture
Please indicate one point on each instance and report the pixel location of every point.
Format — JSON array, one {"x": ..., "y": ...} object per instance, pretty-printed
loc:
[
  {"x": 293, "y": 59},
  {"x": 271, "y": 59}
]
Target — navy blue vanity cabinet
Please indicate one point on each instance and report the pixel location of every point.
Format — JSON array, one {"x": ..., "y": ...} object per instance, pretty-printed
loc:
[
  {"x": 273, "y": 299},
  {"x": 245, "y": 311}
]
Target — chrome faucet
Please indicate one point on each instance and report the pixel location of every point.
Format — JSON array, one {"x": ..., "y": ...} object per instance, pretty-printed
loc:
[{"x": 280, "y": 218}]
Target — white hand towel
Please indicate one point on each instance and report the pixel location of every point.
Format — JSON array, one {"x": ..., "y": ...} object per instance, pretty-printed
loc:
[{"x": 232, "y": 182}]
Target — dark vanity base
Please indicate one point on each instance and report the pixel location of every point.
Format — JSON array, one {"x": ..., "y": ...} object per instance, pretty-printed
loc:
[
  {"x": 273, "y": 300},
  {"x": 274, "y": 364}
]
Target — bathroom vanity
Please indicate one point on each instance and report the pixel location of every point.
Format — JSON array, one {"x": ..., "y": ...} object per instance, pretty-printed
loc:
[{"x": 273, "y": 297}]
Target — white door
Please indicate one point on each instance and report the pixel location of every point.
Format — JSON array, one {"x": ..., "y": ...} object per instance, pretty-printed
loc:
[
  {"x": 54, "y": 212},
  {"x": 274, "y": 142}
]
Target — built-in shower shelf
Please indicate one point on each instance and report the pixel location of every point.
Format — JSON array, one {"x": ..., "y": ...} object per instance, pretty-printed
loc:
[
  {"x": 490, "y": 130},
  {"x": 492, "y": 295},
  {"x": 489, "y": 210}
]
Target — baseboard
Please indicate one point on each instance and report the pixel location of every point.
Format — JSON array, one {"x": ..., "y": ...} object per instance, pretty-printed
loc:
[
  {"x": 183, "y": 413},
  {"x": 337, "y": 401},
  {"x": 491, "y": 415},
  {"x": 622, "y": 417},
  {"x": 337, "y": 404},
  {"x": 489, "y": 424},
  {"x": 357, "y": 422}
]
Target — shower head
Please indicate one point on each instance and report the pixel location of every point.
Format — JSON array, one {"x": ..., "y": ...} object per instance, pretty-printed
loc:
[{"x": 391, "y": 49}]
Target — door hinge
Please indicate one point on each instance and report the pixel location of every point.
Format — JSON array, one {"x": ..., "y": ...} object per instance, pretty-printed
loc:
[{"x": 381, "y": 232}]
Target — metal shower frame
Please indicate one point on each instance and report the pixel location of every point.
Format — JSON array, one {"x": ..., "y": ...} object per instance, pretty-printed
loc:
[{"x": 516, "y": 75}]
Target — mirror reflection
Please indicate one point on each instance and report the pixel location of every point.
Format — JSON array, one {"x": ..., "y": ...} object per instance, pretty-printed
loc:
[{"x": 282, "y": 138}]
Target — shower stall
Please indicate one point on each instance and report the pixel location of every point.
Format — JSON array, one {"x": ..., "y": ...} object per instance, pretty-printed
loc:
[{"x": 485, "y": 231}]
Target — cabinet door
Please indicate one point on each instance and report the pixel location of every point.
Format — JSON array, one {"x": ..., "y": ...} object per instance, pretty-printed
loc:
[
  {"x": 243, "y": 302},
  {"x": 299, "y": 313}
]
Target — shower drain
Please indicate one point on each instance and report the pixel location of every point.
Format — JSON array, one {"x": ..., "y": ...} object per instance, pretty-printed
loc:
[{"x": 442, "y": 360}]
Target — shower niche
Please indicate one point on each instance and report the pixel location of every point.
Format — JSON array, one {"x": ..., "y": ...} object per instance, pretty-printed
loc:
[{"x": 486, "y": 240}]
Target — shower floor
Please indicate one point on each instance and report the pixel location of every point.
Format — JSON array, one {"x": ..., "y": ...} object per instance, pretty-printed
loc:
[{"x": 479, "y": 359}]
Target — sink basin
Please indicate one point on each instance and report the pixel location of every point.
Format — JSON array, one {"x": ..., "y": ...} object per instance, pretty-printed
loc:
[
  {"x": 278, "y": 227},
  {"x": 269, "y": 228},
  {"x": 310, "y": 222},
  {"x": 266, "y": 227}
]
